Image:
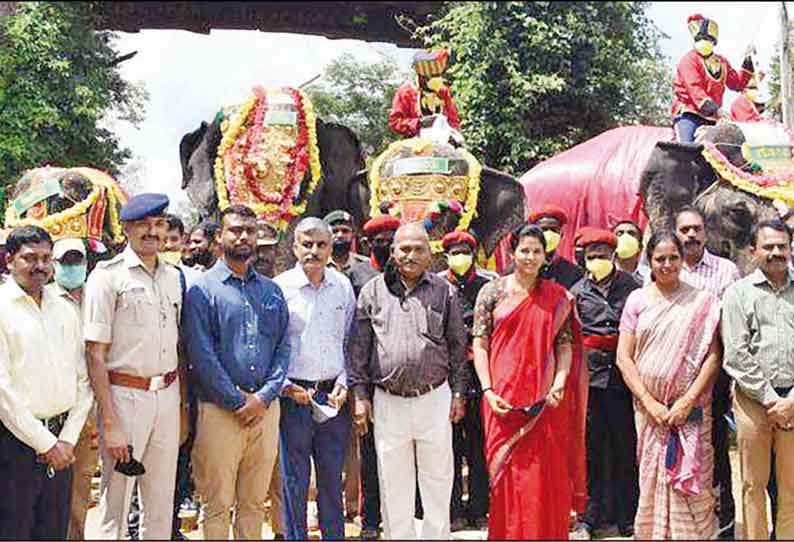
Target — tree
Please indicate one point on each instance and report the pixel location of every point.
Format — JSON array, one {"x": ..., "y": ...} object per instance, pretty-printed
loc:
[
  {"x": 533, "y": 78},
  {"x": 58, "y": 80},
  {"x": 358, "y": 95}
]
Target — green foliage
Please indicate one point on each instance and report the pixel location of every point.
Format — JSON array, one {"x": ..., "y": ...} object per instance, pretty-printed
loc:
[
  {"x": 58, "y": 80},
  {"x": 532, "y": 79},
  {"x": 358, "y": 95},
  {"x": 775, "y": 108}
]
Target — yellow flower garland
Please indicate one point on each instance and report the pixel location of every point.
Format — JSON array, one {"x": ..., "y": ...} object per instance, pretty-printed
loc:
[
  {"x": 99, "y": 180},
  {"x": 417, "y": 145},
  {"x": 231, "y": 134},
  {"x": 781, "y": 191}
]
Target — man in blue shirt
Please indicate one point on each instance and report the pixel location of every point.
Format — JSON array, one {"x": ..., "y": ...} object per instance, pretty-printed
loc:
[
  {"x": 235, "y": 325},
  {"x": 321, "y": 306}
]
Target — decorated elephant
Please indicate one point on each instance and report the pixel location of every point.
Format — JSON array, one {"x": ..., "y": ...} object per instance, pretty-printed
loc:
[
  {"x": 734, "y": 173},
  {"x": 444, "y": 187},
  {"x": 273, "y": 154},
  {"x": 80, "y": 203}
]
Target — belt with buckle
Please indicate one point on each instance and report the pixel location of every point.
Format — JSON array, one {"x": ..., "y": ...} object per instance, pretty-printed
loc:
[
  {"x": 417, "y": 392},
  {"x": 326, "y": 386},
  {"x": 54, "y": 424},
  {"x": 155, "y": 383}
]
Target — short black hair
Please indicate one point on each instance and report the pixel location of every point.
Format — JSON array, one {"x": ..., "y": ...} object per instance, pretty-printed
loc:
[
  {"x": 175, "y": 223},
  {"x": 209, "y": 227},
  {"x": 24, "y": 235},
  {"x": 527, "y": 230},
  {"x": 659, "y": 237},
  {"x": 689, "y": 209},
  {"x": 238, "y": 210},
  {"x": 773, "y": 224}
]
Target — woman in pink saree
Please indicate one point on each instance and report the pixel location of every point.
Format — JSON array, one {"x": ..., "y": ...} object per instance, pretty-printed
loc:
[
  {"x": 668, "y": 357},
  {"x": 527, "y": 353}
]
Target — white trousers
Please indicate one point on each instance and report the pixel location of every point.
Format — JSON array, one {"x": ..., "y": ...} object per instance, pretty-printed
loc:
[
  {"x": 151, "y": 422},
  {"x": 414, "y": 434}
]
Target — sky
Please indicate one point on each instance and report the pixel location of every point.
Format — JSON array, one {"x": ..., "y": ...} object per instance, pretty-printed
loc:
[{"x": 189, "y": 76}]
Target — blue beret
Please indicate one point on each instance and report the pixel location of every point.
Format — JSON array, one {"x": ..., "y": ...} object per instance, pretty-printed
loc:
[{"x": 143, "y": 205}]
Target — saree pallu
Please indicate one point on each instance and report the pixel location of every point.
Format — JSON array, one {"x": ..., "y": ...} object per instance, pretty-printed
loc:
[
  {"x": 677, "y": 500},
  {"x": 536, "y": 464}
]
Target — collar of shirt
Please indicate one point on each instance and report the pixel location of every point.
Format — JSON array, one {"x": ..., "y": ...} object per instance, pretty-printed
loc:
[
  {"x": 224, "y": 272},
  {"x": 63, "y": 292},
  {"x": 758, "y": 277},
  {"x": 296, "y": 278},
  {"x": 13, "y": 291},
  {"x": 708, "y": 260},
  {"x": 131, "y": 259}
]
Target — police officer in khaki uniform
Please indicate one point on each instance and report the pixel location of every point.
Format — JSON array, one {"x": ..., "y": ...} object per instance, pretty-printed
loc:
[{"x": 132, "y": 306}]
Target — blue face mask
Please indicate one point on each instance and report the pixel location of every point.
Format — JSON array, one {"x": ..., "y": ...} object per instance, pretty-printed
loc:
[{"x": 70, "y": 277}]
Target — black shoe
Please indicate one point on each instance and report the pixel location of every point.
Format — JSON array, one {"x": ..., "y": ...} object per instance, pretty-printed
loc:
[
  {"x": 278, "y": 536},
  {"x": 370, "y": 534},
  {"x": 726, "y": 532},
  {"x": 626, "y": 531}
]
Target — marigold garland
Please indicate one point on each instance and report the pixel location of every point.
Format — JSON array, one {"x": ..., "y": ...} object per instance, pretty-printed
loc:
[
  {"x": 417, "y": 145},
  {"x": 769, "y": 187},
  {"x": 99, "y": 180},
  {"x": 288, "y": 208}
]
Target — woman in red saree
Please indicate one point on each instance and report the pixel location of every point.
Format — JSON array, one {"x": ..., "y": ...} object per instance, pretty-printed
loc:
[
  {"x": 527, "y": 353},
  {"x": 668, "y": 357}
]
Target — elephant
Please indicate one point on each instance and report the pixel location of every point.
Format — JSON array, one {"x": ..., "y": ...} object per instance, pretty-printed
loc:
[
  {"x": 71, "y": 203},
  {"x": 341, "y": 157},
  {"x": 678, "y": 175},
  {"x": 639, "y": 173},
  {"x": 500, "y": 209}
]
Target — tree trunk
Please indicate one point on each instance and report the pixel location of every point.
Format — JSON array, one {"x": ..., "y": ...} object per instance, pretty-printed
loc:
[{"x": 785, "y": 70}]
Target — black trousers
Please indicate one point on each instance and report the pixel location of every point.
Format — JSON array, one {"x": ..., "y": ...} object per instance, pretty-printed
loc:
[
  {"x": 370, "y": 488},
  {"x": 467, "y": 443},
  {"x": 32, "y": 505},
  {"x": 726, "y": 508},
  {"x": 611, "y": 457}
]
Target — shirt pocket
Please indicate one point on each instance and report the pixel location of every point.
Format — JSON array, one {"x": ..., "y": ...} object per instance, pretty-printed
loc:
[
  {"x": 435, "y": 325},
  {"x": 134, "y": 306}
]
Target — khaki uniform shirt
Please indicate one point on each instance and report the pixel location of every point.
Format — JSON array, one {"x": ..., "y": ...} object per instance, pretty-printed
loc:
[{"x": 136, "y": 313}]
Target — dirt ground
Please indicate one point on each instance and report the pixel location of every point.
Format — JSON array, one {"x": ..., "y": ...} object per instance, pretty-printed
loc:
[{"x": 352, "y": 528}]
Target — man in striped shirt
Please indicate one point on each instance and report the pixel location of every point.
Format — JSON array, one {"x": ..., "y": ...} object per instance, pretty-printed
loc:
[{"x": 706, "y": 271}]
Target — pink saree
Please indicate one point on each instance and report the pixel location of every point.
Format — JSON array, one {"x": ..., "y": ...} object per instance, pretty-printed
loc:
[{"x": 675, "y": 466}]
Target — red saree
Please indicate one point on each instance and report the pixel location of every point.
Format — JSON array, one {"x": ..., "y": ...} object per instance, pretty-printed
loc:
[{"x": 538, "y": 465}]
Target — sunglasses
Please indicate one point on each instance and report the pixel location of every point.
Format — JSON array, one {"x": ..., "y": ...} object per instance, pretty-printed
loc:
[{"x": 533, "y": 410}]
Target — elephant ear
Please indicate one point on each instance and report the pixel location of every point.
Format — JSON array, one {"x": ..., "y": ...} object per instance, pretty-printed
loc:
[
  {"x": 342, "y": 157},
  {"x": 673, "y": 177},
  {"x": 501, "y": 208},
  {"x": 187, "y": 146},
  {"x": 358, "y": 197}
]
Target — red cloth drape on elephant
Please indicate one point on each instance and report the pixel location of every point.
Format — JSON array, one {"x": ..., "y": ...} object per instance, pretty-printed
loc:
[{"x": 596, "y": 182}]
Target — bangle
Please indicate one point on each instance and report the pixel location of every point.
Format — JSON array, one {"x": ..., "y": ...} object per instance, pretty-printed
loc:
[{"x": 489, "y": 388}]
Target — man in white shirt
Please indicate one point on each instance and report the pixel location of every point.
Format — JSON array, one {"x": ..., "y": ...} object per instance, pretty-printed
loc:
[
  {"x": 45, "y": 396},
  {"x": 321, "y": 309}
]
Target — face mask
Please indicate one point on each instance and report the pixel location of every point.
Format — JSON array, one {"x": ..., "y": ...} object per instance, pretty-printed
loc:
[
  {"x": 70, "y": 277},
  {"x": 435, "y": 83},
  {"x": 172, "y": 256},
  {"x": 628, "y": 246},
  {"x": 381, "y": 254},
  {"x": 600, "y": 268},
  {"x": 341, "y": 247},
  {"x": 460, "y": 263},
  {"x": 704, "y": 48},
  {"x": 552, "y": 240}
]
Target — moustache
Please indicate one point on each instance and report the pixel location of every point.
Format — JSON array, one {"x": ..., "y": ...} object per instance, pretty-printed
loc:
[
  {"x": 692, "y": 243},
  {"x": 775, "y": 259}
]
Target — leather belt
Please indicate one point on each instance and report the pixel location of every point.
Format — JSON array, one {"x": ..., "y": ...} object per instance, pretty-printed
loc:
[
  {"x": 326, "y": 386},
  {"x": 155, "y": 383},
  {"x": 421, "y": 390}
]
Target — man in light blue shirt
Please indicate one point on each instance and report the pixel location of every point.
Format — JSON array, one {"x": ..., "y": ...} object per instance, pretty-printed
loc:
[{"x": 321, "y": 308}]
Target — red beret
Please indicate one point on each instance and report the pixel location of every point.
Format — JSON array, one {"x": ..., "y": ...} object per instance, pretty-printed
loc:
[
  {"x": 550, "y": 210},
  {"x": 457, "y": 237},
  {"x": 589, "y": 236},
  {"x": 381, "y": 223},
  {"x": 577, "y": 239}
]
